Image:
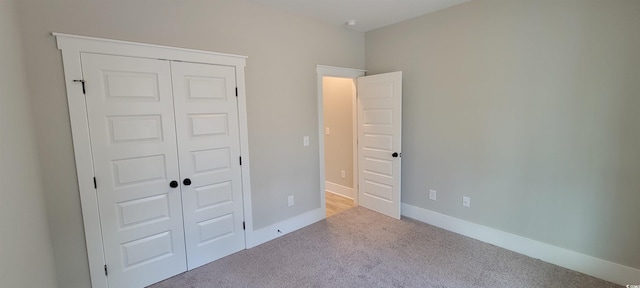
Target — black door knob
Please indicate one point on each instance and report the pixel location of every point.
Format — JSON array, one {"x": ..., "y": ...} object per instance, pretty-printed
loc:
[
  {"x": 395, "y": 154},
  {"x": 173, "y": 184},
  {"x": 186, "y": 181}
]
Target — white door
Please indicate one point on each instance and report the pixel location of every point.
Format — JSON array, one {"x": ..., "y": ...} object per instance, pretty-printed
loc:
[
  {"x": 209, "y": 147},
  {"x": 133, "y": 142},
  {"x": 379, "y": 142}
]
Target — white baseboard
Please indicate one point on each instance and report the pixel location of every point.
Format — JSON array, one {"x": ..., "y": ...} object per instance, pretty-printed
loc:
[
  {"x": 339, "y": 189},
  {"x": 586, "y": 264},
  {"x": 274, "y": 231}
]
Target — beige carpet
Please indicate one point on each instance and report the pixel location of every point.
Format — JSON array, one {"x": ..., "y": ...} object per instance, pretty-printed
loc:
[{"x": 360, "y": 248}]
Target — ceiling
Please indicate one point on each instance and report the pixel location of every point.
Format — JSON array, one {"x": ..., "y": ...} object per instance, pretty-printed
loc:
[{"x": 369, "y": 14}]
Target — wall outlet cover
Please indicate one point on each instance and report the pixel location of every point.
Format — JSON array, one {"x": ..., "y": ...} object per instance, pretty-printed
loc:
[{"x": 466, "y": 201}]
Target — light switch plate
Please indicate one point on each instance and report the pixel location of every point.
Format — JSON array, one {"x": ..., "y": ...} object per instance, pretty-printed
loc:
[{"x": 305, "y": 141}]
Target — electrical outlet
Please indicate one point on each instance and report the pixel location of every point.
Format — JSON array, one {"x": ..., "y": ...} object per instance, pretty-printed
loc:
[
  {"x": 343, "y": 174},
  {"x": 466, "y": 201},
  {"x": 290, "y": 200},
  {"x": 432, "y": 194},
  {"x": 327, "y": 131},
  {"x": 305, "y": 141}
]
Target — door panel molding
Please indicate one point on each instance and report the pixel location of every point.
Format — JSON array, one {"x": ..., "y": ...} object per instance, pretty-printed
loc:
[{"x": 71, "y": 47}]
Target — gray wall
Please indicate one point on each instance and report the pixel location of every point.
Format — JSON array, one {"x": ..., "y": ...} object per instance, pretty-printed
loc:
[
  {"x": 532, "y": 109},
  {"x": 337, "y": 96},
  {"x": 283, "y": 51},
  {"x": 26, "y": 253}
]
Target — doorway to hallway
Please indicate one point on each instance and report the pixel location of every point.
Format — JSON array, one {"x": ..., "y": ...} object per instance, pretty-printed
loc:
[
  {"x": 338, "y": 101},
  {"x": 376, "y": 133}
]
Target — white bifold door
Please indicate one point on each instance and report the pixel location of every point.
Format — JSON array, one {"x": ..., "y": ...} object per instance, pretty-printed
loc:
[
  {"x": 379, "y": 142},
  {"x": 165, "y": 147}
]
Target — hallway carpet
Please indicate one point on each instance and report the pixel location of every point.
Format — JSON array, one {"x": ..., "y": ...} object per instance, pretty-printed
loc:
[{"x": 361, "y": 248}]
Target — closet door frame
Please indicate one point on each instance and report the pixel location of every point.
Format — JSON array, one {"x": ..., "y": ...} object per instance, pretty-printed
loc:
[{"x": 72, "y": 46}]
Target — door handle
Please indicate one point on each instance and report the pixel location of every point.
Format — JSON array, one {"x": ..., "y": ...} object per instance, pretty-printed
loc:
[
  {"x": 395, "y": 154},
  {"x": 173, "y": 184},
  {"x": 186, "y": 181}
]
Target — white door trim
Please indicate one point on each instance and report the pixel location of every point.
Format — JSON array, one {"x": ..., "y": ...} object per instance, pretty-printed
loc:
[
  {"x": 71, "y": 47},
  {"x": 332, "y": 71}
]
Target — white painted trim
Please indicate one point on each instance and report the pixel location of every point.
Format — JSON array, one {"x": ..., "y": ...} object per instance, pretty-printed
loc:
[
  {"x": 354, "y": 131},
  {"x": 332, "y": 71},
  {"x": 244, "y": 153},
  {"x": 72, "y": 46},
  {"x": 338, "y": 189},
  {"x": 569, "y": 259},
  {"x": 323, "y": 200},
  {"x": 274, "y": 231},
  {"x": 120, "y": 47},
  {"x": 84, "y": 168}
]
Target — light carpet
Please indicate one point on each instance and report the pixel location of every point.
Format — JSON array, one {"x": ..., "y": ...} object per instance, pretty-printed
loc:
[{"x": 361, "y": 248}]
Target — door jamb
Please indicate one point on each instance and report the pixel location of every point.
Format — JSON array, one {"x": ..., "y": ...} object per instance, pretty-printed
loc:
[
  {"x": 71, "y": 47},
  {"x": 332, "y": 71}
]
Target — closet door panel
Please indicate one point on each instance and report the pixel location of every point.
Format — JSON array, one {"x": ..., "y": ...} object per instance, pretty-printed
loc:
[
  {"x": 133, "y": 141},
  {"x": 209, "y": 148}
]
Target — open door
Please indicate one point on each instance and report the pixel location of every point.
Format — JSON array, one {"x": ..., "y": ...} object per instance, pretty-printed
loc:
[{"x": 379, "y": 142}]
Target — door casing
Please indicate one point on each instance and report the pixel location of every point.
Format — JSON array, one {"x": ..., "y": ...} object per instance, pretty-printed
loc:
[{"x": 71, "y": 47}]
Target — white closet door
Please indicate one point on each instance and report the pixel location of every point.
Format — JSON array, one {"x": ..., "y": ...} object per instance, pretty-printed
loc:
[
  {"x": 209, "y": 147},
  {"x": 133, "y": 142}
]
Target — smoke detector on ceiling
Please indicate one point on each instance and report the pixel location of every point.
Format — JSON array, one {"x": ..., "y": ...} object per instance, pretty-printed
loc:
[{"x": 350, "y": 23}]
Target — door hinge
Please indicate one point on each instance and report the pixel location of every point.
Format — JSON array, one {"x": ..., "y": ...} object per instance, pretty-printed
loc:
[
  {"x": 236, "y": 91},
  {"x": 240, "y": 160},
  {"x": 106, "y": 271},
  {"x": 82, "y": 82},
  {"x": 243, "y": 226},
  {"x": 95, "y": 183}
]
